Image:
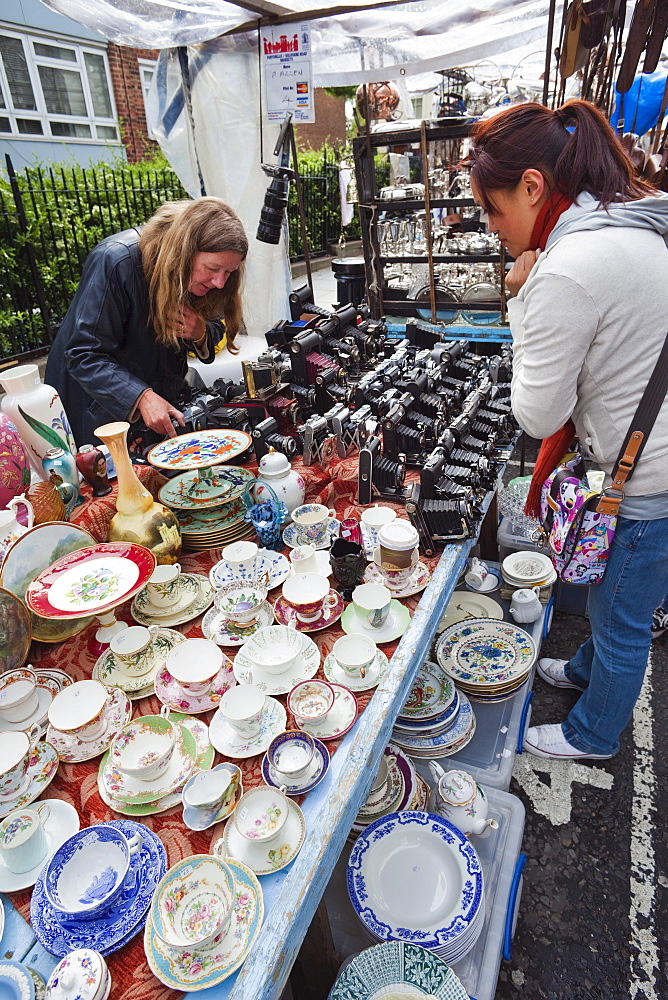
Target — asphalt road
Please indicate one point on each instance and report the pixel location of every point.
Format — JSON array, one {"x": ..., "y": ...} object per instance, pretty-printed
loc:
[{"x": 593, "y": 920}]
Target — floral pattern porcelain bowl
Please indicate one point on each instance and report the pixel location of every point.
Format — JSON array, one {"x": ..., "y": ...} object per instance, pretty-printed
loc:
[
  {"x": 261, "y": 814},
  {"x": 193, "y": 902},
  {"x": 240, "y": 601},
  {"x": 143, "y": 748}
]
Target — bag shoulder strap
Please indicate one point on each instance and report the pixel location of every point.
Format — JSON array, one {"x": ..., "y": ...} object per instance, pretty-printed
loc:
[{"x": 636, "y": 439}]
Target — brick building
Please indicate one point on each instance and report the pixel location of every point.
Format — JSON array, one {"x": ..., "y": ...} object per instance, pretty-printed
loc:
[
  {"x": 130, "y": 71},
  {"x": 329, "y": 125}
]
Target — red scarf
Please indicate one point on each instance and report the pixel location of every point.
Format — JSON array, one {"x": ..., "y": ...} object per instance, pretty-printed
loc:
[{"x": 554, "y": 447}]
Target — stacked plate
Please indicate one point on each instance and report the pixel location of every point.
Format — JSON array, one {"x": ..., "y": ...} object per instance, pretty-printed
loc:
[
  {"x": 437, "y": 719},
  {"x": 528, "y": 569},
  {"x": 210, "y": 511},
  {"x": 397, "y": 969},
  {"x": 489, "y": 660},
  {"x": 196, "y": 595},
  {"x": 414, "y": 877},
  {"x": 402, "y": 789}
]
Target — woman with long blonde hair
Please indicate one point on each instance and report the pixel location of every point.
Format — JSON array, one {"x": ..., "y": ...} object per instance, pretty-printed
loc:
[{"x": 146, "y": 297}]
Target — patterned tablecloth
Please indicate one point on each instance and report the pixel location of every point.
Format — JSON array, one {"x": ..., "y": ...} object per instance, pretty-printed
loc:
[{"x": 77, "y": 783}]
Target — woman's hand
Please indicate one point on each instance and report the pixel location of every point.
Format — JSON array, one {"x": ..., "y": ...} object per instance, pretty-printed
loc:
[
  {"x": 520, "y": 270},
  {"x": 157, "y": 413},
  {"x": 187, "y": 324}
]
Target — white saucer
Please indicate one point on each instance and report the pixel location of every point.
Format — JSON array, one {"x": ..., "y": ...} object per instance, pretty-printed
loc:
[
  {"x": 264, "y": 859},
  {"x": 396, "y": 624},
  {"x": 39, "y": 717},
  {"x": 374, "y": 674},
  {"x": 203, "y": 600},
  {"x": 322, "y": 562},
  {"x": 41, "y": 772},
  {"x": 292, "y": 540},
  {"x": 221, "y": 630},
  {"x": 304, "y": 669},
  {"x": 107, "y": 670},
  {"x": 189, "y": 590},
  {"x": 274, "y": 564},
  {"x": 338, "y": 720},
  {"x": 231, "y": 744},
  {"x": 491, "y": 582},
  {"x": 61, "y": 824},
  {"x": 415, "y": 584}
]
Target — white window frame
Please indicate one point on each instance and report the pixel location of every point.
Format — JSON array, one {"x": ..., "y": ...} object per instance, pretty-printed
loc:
[
  {"x": 40, "y": 114},
  {"x": 152, "y": 65}
]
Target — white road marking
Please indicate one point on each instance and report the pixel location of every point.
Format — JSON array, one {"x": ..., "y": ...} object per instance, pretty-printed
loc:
[
  {"x": 554, "y": 800},
  {"x": 644, "y": 950}
]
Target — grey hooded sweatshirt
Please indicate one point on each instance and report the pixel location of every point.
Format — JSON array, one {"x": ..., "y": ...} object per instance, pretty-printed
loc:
[{"x": 588, "y": 325}]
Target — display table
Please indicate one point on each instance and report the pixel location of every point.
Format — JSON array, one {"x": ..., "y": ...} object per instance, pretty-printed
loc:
[{"x": 291, "y": 896}]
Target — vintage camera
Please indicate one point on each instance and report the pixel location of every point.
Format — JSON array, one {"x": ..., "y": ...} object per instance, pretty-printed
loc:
[
  {"x": 266, "y": 436},
  {"x": 379, "y": 475}
]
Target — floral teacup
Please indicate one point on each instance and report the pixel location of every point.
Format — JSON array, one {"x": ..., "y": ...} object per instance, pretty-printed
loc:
[
  {"x": 261, "y": 814},
  {"x": 240, "y": 602},
  {"x": 312, "y": 521},
  {"x": 193, "y": 902}
]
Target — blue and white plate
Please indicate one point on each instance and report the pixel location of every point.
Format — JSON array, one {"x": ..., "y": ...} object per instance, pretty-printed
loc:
[
  {"x": 274, "y": 564},
  {"x": 413, "y": 876},
  {"x": 120, "y": 923},
  {"x": 293, "y": 537},
  {"x": 444, "y": 743},
  {"x": 439, "y": 723},
  {"x": 399, "y": 967},
  {"x": 482, "y": 651},
  {"x": 299, "y": 786}
]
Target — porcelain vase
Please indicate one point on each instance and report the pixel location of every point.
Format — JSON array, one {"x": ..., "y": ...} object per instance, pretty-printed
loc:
[
  {"x": 138, "y": 517},
  {"x": 37, "y": 411},
  {"x": 14, "y": 462}
]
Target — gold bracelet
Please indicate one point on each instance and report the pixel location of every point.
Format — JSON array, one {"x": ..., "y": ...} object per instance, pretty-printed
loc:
[{"x": 199, "y": 341}]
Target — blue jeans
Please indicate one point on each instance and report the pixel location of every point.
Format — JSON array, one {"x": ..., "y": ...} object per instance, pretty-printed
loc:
[{"x": 611, "y": 664}]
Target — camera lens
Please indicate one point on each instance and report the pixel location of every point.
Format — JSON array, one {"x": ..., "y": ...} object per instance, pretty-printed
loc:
[{"x": 272, "y": 212}]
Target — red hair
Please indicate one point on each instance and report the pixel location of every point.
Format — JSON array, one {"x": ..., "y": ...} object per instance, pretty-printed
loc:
[{"x": 531, "y": 136}]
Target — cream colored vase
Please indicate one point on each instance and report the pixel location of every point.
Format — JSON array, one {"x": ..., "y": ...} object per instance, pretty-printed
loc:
[{"x": 138, "y": 517}]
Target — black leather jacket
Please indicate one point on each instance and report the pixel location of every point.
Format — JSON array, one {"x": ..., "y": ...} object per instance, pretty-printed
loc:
[{"x": 105, "y": 353}]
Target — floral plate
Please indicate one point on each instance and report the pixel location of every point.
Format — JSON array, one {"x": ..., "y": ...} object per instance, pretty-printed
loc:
[
  {"x": 373, "y": 675},
  {"x": 91, "y": 580},
  {"x": 224, "y": 632},
  {"x": 121, "y": 922},
  {"x": 299, "y": 786},
  {"x": 464, "y": 604},
  {"x": 188, "y": 592},
  {"x": 293, "y": 537},
  {"x": 263, "y": 858},
  {"x": 306, "y": 667},
  {"x": 41, "y": 771},
  {"x": 231, "y": 744},
  {"x": 197, "y": 968},
  {"x": 286, "y": 614},
  {"x": 203, "y": 601},
  {"x": 132, "y": 791},
  {"x": 274, "y": 564},
  {"x": 484, "y": 651},
  {"x": 72, "y": 750},
  {"x": 205, "y": 755},
  {"x": 199, "y": 449},
  {"x": 170, "y": 692},
  {"x": 416, "y": 583},
  {"x": 189, "y": 492},
  {"x": 338, "y": 720},
  {"x": 399, "y": 966},
  {"x": 203, "y": 817},
  {"x": 431, "y": 695},
  {"x": 107, "y": 671}
]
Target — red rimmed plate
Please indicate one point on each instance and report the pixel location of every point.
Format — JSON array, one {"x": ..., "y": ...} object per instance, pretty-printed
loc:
[{"x": 91, "y": 580}]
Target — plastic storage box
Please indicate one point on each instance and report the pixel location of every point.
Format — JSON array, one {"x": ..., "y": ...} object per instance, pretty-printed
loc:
[{"x": 511, "y": 538}]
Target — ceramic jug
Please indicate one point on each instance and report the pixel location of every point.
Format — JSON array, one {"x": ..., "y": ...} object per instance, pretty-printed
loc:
[
  {"x": 38, "y": 413},
  {"x": 458, "y": 798},
  {"x": 10, "y": 529},
  {"x": 288, "y": 486}
]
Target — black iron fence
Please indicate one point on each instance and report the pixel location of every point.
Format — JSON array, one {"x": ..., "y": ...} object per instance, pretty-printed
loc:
[{"x": 50, "y": 218}]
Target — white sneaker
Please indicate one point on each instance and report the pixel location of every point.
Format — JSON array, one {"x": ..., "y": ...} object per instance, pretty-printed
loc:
[
  {"x": 549, "y": 741},
  {"x": 553, "y": 672},
  {"x": 659, "y": 622}
]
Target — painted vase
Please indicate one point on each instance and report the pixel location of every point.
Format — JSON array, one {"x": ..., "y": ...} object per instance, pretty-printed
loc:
[
  {"x": 10, "y": 529},
  {"x": 38, "y": 413},
  {"x": 287, "y": 485},
  {"x": 64, "y": 465},
  {"x": 14, "y": 462},
  {"x": 138, "y": 517},
  {"x": 92, "y": 465}
]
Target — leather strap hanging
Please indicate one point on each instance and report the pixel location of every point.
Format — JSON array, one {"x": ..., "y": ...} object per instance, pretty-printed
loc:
[{"x": 641, "y": 23}]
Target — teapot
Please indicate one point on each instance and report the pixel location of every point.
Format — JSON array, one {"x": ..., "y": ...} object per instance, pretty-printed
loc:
[
  {"x": 525, "y": 605},
  {"x": 285, "y": 483},
  {"x": 458, "y": 798},
  {"x": 10, "y": 529}
]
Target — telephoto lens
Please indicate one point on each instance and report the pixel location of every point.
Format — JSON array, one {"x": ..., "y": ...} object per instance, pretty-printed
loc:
[{"x": 275, "y": 204}]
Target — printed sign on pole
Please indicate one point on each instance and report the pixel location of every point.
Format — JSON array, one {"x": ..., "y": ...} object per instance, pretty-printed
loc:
[{"x": 287, "y": 72}]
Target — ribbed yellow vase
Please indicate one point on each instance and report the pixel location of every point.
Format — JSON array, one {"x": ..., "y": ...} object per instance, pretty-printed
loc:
[{"x": 138, "y": 518}]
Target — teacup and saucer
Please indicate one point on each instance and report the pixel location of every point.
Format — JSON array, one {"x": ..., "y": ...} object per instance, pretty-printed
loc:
[{"x": 84, "y": 718}]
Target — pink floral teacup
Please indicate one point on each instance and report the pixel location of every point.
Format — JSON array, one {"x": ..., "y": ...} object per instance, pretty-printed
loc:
[{"x": 261, "y": 814}]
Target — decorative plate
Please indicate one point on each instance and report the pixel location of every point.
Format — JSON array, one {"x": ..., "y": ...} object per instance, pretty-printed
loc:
[
  {"x": 31, "y": 553},
  {"x": 42, "y": 769},
  {"x": 263, "y": 858},
  {"x": 274, "y": 564},
  {"x": 231, "y": 744},
  {"x": 224, "y": 632},
  {"x": 338, "y": 720},
  {"x": 72, "y": 750},
  {"x": 299, "y": 786},
  {"x": 414, "y": 876},
  {"x": 465, "y": 604},
  {"x": 198, "y": 968},
  {"x": 15, "y": 631},
  {"x": 432, "y": 693},
  {"x": 415, "y": 584},
  {"x": 61, "y": 824},
  {"x": 396, "y": 624},
  {"x": 483, "y": 651},
  {"x": 205, "y": 755},
  {"x": 132, "y": 791},
  {"x": 189, "y": 492},
  {"x": 107, "y": 670},
  {"x": 404, "y": 788},
  {"x": 120, "y": 923},
  {"x": 49, "y": 683},
  {"x": 203, "y": 601},
  {"x": 199, "y": 449},
  {"x": 212, "y": 520},
  {"x": 437, "y": 723},
  {"x": 397, "y": 967},
  {"x": 15, "y": 981},
  {"x": 373, "y": 675},
  {"x": 95, "y": 579},
  {"x": 306, "y": 667},
  {"x": 291, "y": 535},
  {"x": 446, "y": 743},
  {"x": 188, "y": 592},
  {"x": 286, "y": 614},
  {"x": 170, "y": 692}
]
